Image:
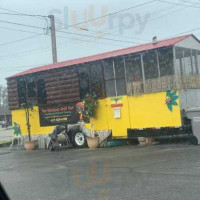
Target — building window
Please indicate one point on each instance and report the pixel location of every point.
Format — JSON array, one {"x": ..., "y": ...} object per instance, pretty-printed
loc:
[
  {"x": 187, "y": 62},
  {"x": 150, "y": 65},
  {"x": 179, "y": 61},
  {"x": 134, "y": 68},
  {"x": 41, "y": 90},
  {"x": 114, "y": 74},
  {"x": 120, "y": 77},
  {"x": 31, "y": 87},
  {"x": 91, "y": 79},
  {"x": 21, "y": 84},
  {"x": 194, "y": 62},
  {"x": 109, "y": 78},
  {"x": 198, "y": 60},
  {"x": 84, "y": 80},
  {"x": 166, "y": 61},
  {"x": 97, "y": 82}
]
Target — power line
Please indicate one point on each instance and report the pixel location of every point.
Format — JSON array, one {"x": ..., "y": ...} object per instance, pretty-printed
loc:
[
  {"x": 20, "y": 40},
  {"x": 25, "y": 66},
  {"x": 13, "y": 29},
  {"x": 25, "y": 25},
  {"x": 191, "y": 2},
  {"x": 110, "y": 14},
  {"x": 154, "y": 13},
  {"x": 20, "y": 13},
  {"x": 15, "y": 14},
  {"x": 43, "y": 49},
  {"x": 155, "y": 18},
  {"x": 30, "y": 26},
  {"x": 90, "y": 36},
  {"x": 189, "y": 31},
  {"x": 114, "y": 13},
  {"x": 178, "y": 4}
]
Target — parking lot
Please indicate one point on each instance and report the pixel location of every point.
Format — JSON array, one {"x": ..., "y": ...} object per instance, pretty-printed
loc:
[
  {"x": 6, "y": 134},
  {"x": 131, "y": 172}
]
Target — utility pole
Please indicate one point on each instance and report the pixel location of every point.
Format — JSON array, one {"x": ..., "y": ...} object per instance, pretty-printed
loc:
[{"x": 53, "y": 38}]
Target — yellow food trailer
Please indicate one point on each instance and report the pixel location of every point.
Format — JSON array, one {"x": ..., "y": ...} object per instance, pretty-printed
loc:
[{"x": 142, "y": 90}]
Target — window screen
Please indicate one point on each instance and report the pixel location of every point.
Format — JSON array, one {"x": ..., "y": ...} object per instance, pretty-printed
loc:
[
  {"x": 96, "y": 74},
  {"x": 84, "y": 81},
  {"x": 179, "y": 61},
  {"x": 120, "y": 77},
  {"x": 31, "y": 87},
  {"x": 115, "y": 81},
  {"x": 133, "y": 68},
  {"x": 187, "y": 62},
  {"x": 166, "y": 62},
  {"x": 21, "y": 84},
  {"x": 109, "y": 78},
  {"x": 194, "y": 62},
  {"x": 150, "y": 65},
  {"x": 198, "y": 60},
  {"x": 41, "y": 90}
]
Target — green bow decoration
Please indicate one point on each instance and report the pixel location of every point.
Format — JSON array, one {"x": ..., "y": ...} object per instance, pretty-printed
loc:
[
  {"x": 16, "y": 129},
  {"x": 171, "y": 97}
]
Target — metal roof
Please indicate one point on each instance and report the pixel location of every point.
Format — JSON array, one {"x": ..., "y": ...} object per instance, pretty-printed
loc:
[{"x": 120, "y": 52}]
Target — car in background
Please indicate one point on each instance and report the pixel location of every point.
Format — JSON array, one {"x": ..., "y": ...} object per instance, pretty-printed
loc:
[{"x": 2, "y": 124}]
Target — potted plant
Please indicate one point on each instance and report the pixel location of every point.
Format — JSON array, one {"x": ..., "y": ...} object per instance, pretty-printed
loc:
[
  {"x": 93, "y": 140},
  {"x": 90, "y": 106},
  {"x": 28, "y": 145}
]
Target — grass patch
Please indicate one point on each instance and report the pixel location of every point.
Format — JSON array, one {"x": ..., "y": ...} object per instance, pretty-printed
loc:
[{"x": 5, "y": 143}]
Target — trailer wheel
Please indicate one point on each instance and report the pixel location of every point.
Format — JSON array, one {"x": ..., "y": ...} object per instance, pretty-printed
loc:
[
  {"x": 78, "y": 139},
  {"x": 194, "y": 140}
]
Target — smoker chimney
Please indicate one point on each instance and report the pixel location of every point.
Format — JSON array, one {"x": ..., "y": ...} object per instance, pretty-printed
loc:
[{"x": 155, "y": 40}]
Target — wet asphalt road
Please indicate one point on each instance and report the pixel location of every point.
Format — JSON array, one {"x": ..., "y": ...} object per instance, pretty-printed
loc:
[{"x": 164, "y": 172}]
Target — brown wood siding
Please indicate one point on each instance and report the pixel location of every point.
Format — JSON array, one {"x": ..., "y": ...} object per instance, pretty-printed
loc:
[
  {"x": 62, "y": 86},
  {"x": 13, "y": 100}
]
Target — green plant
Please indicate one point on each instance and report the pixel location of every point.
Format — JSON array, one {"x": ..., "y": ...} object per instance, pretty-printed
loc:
[
  {"x": 171, "y": 98},
  {"x": 28, "y": 106},
  {"x": 90, "y": 105}
]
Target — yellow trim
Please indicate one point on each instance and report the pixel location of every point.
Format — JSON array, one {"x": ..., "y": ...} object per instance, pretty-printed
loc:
[{"x": 144, "y": 111}]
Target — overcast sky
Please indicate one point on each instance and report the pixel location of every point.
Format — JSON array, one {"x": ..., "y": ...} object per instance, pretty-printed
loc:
[{"x": 23, "y": 47}]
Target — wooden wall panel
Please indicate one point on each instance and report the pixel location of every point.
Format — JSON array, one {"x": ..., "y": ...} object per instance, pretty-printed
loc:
[
  {"x": 13, "y": 100},
  {"x": 62, "y": 86}
]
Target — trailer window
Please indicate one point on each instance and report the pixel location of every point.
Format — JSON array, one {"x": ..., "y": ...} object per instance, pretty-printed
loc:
[
  {"x": 194, "y": 62},
  {"x": 84, "y": 81},
  {"x": 134, "y": 68},
  {"x": 198, "y": 61},
  {"x": 109, "y": 78},
  {"x": 187, "y": 62},
  {"x": 31, "y": 87},
  {"x": 120, "y": 77},
  {"x": 150, "y": 65},
  {"x": 41, "y": 90},
  {"x": 96, "y": 74},
  {"x": 166, "y": 62},
  {"x": 114, "y": 74},
  {"x": 179, "y": 61},
  {"x": 21, "y": 84}
]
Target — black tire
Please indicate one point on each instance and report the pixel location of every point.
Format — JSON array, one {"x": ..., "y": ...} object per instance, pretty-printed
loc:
[
  {"x": 194, "y": 140},
  {"x": 78, "y": 139},
  {"x": 50, "y": 147}
]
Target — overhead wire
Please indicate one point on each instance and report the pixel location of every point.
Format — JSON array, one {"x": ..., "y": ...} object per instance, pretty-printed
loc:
[{"x": 7, "y": 43}]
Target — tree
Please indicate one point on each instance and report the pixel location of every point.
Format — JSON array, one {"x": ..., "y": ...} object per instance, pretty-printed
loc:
[{"x": 4, "y": 102}]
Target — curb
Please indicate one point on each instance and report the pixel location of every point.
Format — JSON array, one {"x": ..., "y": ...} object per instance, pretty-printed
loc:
[{"x": 6, "y": 144}]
